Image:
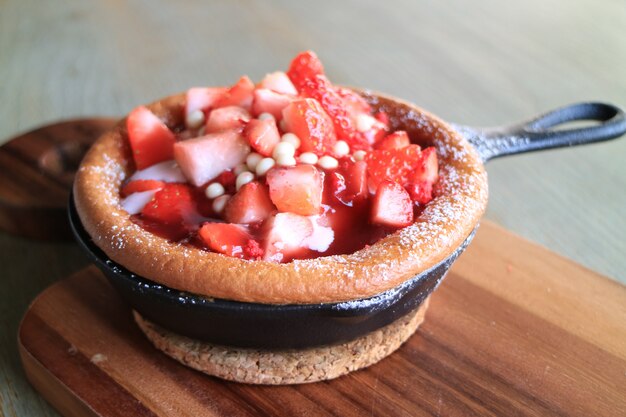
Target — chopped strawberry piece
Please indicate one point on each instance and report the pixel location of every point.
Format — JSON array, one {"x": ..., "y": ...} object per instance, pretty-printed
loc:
[
  {"x": 172, "y": 205},
  {"x": 150, "y": 139},
  {"x": 356, "y": 179},
  {"x": 204, "y": 158},
  {"x": 382, "y": 117},
  {"x": 349, "y": 182},
  {"x": 391, "y": 205},
  {"x": 421, "y": 192},
  {"x": 227, "y": 118},
  {"x": 262, "y": 135},
  {"x": 285, "y": 237},
  {"x": 396, "y": 140},
  {"x": 395, "y": 165},
  {"x": 138, "y": 186},
  {"x": 253, "y": 250},
  {"x": 230, "y": 239},
  {"x": 304, "y": 66},
  {"x": 428, "y": 168},
  {"x": 251, "y": 204},
  {"x": 307, "y": 119},
  {"x": 279, "y": 82},
  {"x": 201, "y": 98},
  {"x": 322, "y": 90},
  {"x": 268, "y": 101},
  {"x": 354, "y": 103},
  {"x": 227, "y": 179},
  {"x": 296, "y": 189},
  {"x": 239, "y": 94}
]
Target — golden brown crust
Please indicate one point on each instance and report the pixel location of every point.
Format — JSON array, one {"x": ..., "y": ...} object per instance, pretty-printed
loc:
[{"x": 461, "y": 198}]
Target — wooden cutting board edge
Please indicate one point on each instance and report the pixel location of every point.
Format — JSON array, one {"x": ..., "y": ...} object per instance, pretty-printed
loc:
[{"x": 69, "y": 403}]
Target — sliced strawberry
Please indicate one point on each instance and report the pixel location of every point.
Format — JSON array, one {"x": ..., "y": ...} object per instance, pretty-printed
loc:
[
  {"x": 227, "y": 179},
  {"x": 427, "y": 170},
  {"x": 229, "y": 239},
  {"x": 349, "y": 182},
  {"x": 204, "y": 158},
  {"x": 395, "y": 165},
  {"x": 172, "y": 205},
  {"x": 354, "y": 103},
  {"x": 356, "y": 180},
  {"x": 150, "y": 139},
  {"x": 251, "y": 204},
  {"x": 262, "y": 135},
  {"x": 322, "y": 90},
  {"x": 138, "y": 186},
  {"x": 239, "y": 94},
  {"x": 279, "y": 82},
  {"x": 201, "y": 98},
  {"x": 382, "y": 117},
  {"x": 285, "y": 237},
  {"x": 296, "y": 189},
  {"x": 396, "y": 140},
  {"x": 391, "y": 206},
  {"x": 304, "y": 66},
  {"x": 307, "y": 119},
  {"x": 227, "y": 118},
  {"x": 268, "y": 101},
  {"x": 421, "y": 192}
]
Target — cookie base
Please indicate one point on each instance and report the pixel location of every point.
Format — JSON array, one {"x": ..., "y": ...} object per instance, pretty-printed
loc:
[{"x": 282, "y": 367}]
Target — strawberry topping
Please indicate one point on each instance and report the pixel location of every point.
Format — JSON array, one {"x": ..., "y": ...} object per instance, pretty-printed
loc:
[
  {"x": 262, "y": 135},
  {"x": 391, "y": 205},
  {"x": 150, "y": 139},
  {"x": 230, "y": 239},
  {"x": 251, "y": 204},
  {"x": 292, "y": 168},
  {"x": 138, "y": 186},
  {"x": 322, "y": 90},
  {"x": 296, "y": 189},
  {"x": 172, "y": 204},
  {"x": 396, "y": 140},
  {"x": 304, "y": 66},
  {"x": 307, "y": 119}
]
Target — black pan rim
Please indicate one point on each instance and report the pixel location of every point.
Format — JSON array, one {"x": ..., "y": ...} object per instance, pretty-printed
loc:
[{"x": 358, "y": 306}]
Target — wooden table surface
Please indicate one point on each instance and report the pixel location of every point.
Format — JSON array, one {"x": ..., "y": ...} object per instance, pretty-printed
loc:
[{"x": 492, "y": 63}]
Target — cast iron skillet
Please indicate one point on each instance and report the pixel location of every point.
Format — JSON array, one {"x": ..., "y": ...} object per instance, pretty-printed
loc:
[{"x": 270, "y": 326}]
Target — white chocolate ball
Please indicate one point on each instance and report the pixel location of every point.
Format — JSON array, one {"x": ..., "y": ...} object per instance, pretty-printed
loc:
[
  {"x": 308, "y": 158},
  {"x": 264, "y": 165},
  {"x": 252, "y": 160},
  {"x": 286, "y": 160},
  {"x": 291, "y": 138},
  {"x": 195, "y": 119},
  {"x": 283, "y": 149},
  {"x": 214, "y": 190},
  {"x": 341, "y": 148},
  {"x": 328, "y": 162},
  {"x": 359, "y": 155},
  {"x": 243, "y": 179},
  {"x": 220, "y": 202}
]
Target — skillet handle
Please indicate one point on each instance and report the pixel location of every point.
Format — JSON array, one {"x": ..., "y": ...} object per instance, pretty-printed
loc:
[{"x": 539, "y": 133}]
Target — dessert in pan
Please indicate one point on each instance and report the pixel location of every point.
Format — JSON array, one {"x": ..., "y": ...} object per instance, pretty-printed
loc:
[{"x": 290, "y": 214}]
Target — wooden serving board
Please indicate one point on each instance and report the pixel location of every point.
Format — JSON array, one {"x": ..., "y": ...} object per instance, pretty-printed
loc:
[
  {"x": 514, "y": 330},
  {"x": 36, "y": 173}
]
